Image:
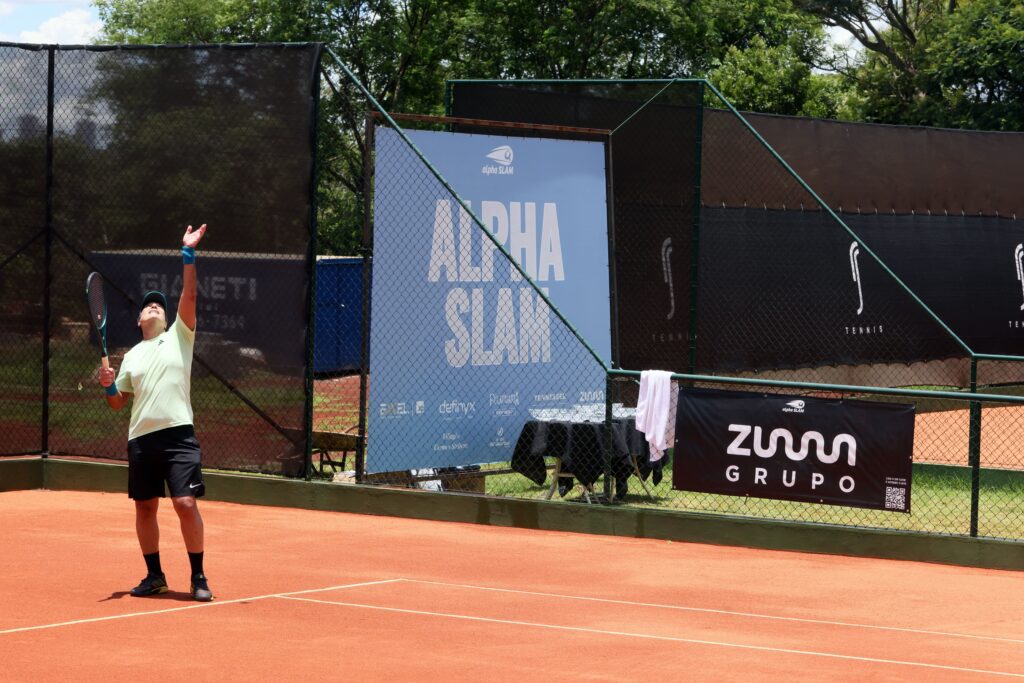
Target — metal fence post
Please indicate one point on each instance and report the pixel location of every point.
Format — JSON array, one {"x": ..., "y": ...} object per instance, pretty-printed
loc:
[
  {"x": 613, "y": 295},
  {"x": 311, "y": 265},
  {"x": 695, "y": 238},
  {"x": 609, "y": 415},
  {"x": 367, "y": 252},
  {"x": 607, "y": 443},
  {"x": 974, "y": 448},
  {"x": 48, "y": 259}
]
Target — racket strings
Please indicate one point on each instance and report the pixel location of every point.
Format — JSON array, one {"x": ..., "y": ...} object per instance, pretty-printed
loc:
[{"x": 97, "y": 304}]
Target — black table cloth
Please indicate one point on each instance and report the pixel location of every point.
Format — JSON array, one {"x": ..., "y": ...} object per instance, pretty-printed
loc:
[{"x": 580, "y": 445}]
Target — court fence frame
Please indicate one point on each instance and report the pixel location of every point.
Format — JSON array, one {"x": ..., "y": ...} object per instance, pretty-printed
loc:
[
  {"x": 968, "y": 396},
  {"x": 71, "y": 107},
  {"x": 965, "y": 528}
]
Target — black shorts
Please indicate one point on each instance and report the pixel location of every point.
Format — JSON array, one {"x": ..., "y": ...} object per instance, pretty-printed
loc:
[{"x": 168, "y": 455}]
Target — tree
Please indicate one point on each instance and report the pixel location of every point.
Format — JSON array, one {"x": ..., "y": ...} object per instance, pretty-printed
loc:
[
  {"x": 977, "y": 63},
  {"x": 932, "y": 62},
  {"x": 889, "y": 28},
  {"x": 889, "y": 77},
  {"x": 575, "y": 39},
  {"x": 169, "y": 21},
  {"x": 774, "y": 79},
  {"x": 621, "y": 38}
]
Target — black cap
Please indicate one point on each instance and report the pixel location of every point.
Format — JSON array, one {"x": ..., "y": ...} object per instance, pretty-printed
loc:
[{"x": 156, "y": 296}]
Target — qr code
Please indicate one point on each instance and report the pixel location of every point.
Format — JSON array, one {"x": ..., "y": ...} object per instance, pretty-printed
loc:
[{"x": 895, "y": 498}]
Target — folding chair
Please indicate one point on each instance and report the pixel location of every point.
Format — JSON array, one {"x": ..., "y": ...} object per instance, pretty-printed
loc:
[
  {"x": 558, "y": 472},
  {"x": 639, "y": 477}
]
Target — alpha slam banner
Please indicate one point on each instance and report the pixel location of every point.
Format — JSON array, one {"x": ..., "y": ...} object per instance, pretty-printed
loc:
[{"x": 464, "y": 351}]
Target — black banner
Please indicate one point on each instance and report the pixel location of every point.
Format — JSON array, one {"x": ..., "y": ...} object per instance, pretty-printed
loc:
[
  {"x": 791, "y": 289},
  {"x": 787, "y": 289},
  {"x": 236, "y": 290},
  {"x": 835, "y": 452},
  {"x": 968, "y": 269}
]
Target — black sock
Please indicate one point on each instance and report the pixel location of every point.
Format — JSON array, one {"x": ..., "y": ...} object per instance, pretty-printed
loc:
[
  {"x": 196, "y": 560},
  {"x": 153, "y": 563}
]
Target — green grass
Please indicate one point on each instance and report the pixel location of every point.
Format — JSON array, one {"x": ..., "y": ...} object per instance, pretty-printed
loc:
[{"x": 940, "y": 502}]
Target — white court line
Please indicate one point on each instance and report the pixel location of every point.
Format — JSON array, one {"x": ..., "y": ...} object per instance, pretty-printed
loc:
[
  {"x": 204, "y": 604},
  {"x": 648, "y": 636},
  {"x": 707, "y": 610}
]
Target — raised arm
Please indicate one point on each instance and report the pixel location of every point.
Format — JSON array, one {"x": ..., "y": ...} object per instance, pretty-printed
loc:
[{"x": 187, "y": 303}]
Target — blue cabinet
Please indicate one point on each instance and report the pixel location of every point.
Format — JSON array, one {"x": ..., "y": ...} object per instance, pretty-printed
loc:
[{"x": 339, "y": 314}]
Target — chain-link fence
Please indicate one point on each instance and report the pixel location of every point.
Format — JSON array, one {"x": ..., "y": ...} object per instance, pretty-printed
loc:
[
  {"x": 108, "y": 154},
  {"x": 23, "y": 210},
  {"x": 486, "y": 336},
  {"x": 723, "y": 263}
]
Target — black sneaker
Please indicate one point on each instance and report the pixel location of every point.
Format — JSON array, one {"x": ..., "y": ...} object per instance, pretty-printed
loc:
[
  {"x": 200, "y": 589},
  {"x": 153, "y": 584}
]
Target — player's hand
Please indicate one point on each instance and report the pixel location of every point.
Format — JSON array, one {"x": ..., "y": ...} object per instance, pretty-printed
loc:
[
  {"x": 192, "y": 237},
  {"x": 107, "y": 376}
]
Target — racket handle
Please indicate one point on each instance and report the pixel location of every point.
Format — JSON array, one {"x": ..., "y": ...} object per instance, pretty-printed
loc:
[{"x": 106, "y": 363}]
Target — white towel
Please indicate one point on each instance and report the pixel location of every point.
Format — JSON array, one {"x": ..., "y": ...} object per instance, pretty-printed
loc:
[{"x": 656, "y": 410}]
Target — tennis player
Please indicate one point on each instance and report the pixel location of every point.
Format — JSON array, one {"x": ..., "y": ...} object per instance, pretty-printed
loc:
[{"x": 162, "y": 445}]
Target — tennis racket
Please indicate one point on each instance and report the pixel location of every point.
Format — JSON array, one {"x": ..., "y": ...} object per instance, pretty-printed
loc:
[{"x": 98, "y": 310}]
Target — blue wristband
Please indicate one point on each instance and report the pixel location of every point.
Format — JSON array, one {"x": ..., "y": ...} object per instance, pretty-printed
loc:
[
  {"x": 188, "y": 255},
  {"x": 112, "y": 389}
]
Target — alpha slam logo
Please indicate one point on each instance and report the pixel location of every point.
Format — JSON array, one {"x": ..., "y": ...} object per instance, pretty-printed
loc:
[
  {"x": 794, "y": 407},
  {"x": 502, "y": 157}
]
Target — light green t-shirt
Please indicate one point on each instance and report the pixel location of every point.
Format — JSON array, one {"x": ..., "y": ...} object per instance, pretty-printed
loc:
[{"x": 158, "y": 372}]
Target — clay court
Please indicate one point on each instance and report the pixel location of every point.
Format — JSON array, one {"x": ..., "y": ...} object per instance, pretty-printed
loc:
[
  {"x": 319, "y": 595},
  {"x": 1001, "y": 435}
]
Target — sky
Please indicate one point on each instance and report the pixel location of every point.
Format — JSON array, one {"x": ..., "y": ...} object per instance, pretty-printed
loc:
[{"x": 69, "y": 22}]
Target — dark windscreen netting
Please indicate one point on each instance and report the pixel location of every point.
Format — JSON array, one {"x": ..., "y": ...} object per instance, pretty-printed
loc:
[
  {"x": 937, "y": 206},
  {"x": 901, "y": 169},
  {"x": 146, "y": 142},
  {"x": 776, "y": 275},
  {"x": 968, "y": 269},
  {"x": 782, "y": 284},
  {"x": 23, "y": 247},
  {"x": 654, "y": 166}
]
